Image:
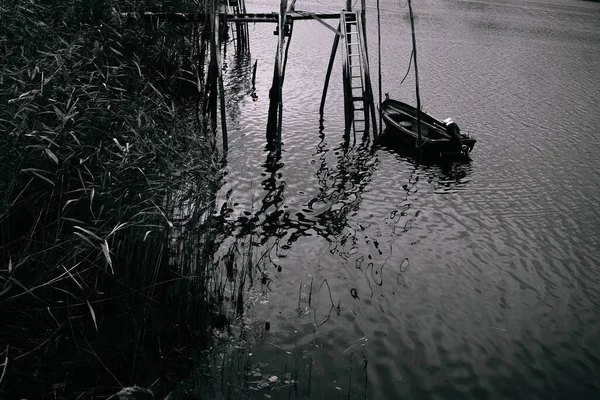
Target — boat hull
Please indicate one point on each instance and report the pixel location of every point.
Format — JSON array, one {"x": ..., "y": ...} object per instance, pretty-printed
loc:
[{"x": 437, "y": 138}]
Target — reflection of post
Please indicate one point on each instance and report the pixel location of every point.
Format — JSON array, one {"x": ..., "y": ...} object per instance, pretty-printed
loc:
[{"x": 336, "y": 41}]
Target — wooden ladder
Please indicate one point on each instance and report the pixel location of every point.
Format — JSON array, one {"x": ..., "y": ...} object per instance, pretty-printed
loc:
[{"x": 355, "y": 81}]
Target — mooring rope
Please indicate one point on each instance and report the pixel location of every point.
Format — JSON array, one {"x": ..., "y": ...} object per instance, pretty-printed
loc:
[{"x": 409, "y": 64}]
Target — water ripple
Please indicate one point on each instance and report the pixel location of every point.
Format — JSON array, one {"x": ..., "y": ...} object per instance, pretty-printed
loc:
[{"x": 398, "y": 279}]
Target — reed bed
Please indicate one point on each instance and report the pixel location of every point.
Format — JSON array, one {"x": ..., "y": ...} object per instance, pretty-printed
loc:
[{"x": 107, "y": 190}]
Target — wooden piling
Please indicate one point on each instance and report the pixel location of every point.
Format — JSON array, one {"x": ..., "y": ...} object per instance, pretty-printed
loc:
[
  {"x": 379, "y": 62},
  {"x": 368, "y": 88},
  {"x": 254, "y": 74},
  {"x": 414, "y": 43},
  {"x": 212, "y": 74},
  {"x": 273, "y": 134},
  {"x": 274, "y": 119},
  {"x": 244, "y": 29},
  {"x": 216, "y": 77},
  {"x": 336, "y": 41}
]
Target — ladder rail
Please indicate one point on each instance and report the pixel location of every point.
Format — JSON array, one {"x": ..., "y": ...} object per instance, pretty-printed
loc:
[
  {"x": 361, "y": 77},
  {"x": 348, "y": 106},
  {"x": 354, "y": 60},
  {"x": 368, "y": 90}
]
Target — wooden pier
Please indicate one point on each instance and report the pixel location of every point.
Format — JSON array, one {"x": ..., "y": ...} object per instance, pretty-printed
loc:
[
  {"x": 272, "y": 17},
  {"x": 359, "y": 107}
]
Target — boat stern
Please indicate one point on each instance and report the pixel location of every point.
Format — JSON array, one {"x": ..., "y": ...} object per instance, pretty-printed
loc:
[{"x": 462, "y": 142}]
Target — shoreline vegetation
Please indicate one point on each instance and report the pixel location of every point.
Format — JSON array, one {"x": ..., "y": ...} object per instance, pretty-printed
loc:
[{"x": 107, "y": 200}]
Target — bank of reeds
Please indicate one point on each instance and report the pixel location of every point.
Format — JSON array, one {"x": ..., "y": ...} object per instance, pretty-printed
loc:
[{"x": 107, "y": 186}]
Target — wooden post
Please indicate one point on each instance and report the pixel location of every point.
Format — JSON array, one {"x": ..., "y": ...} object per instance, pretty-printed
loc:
[
  {"x": 275, "y": 93},
  {"x": 368, "y": 88},
  {"x": 213, "y": 68},
  {"x": 254, "y": 74},
  {"x": 245, "y": 28},
  {"x": 287, "y": 48},
  {"x": 336, "y": 41},
  {"x": 379, "y": 61},
  {"x": 217, "y": 78},
  {"x": 346, "y": 78},
  {"x": 222, "y": 105},
  {"x": 414, "y": 42}
]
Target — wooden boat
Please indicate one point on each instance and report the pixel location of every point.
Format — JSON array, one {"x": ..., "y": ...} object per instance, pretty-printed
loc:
[
  {"x": 418, "y": 130},
  {"x": 437, "y": 137}
]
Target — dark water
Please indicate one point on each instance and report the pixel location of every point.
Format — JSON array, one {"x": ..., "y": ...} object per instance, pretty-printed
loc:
[{"x": 477, "y": 280}]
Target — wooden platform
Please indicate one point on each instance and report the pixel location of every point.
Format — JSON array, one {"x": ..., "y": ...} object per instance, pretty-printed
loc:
[{"x": 272, "y": 17}]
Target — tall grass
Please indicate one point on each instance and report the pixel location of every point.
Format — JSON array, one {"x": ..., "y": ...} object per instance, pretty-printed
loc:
[{"x": 107, "y": 187}]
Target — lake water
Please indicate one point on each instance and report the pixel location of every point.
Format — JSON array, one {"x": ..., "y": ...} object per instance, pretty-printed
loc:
[{"x": 387, "y": 279}]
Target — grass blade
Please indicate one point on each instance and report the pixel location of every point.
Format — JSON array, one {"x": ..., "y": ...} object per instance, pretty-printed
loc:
[
  {"x": 93, "y": 315},
  {"x": 106, "y": 252},
  {"x": 92, "y": 234},
  {"x": 37, "y": 172}
]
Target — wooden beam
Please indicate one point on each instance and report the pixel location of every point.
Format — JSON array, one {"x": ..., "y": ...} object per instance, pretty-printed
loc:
[
  {"x": 272, "y": 17},
  {"x": 319, "y": 19},
  {"x": 336, "y": 41}
]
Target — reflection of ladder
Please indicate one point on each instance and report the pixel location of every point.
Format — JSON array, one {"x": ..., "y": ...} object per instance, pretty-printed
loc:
[{"x": 356, "y": 103}]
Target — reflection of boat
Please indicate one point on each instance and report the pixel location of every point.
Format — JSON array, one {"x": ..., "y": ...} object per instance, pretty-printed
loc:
[{"x": 436, "y": 137}]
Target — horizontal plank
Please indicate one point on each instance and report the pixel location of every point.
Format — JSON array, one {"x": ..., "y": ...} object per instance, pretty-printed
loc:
[{"x": 272, "y": 17}]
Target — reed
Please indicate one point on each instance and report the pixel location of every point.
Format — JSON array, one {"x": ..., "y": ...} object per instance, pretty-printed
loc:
[{"x": 106, "y": 198}]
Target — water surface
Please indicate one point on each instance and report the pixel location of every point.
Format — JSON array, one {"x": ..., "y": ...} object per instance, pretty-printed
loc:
[{"x": 390, "y": 279}]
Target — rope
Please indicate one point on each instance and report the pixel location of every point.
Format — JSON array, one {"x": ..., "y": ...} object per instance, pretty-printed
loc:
[{"x": 409, "y": 64}]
